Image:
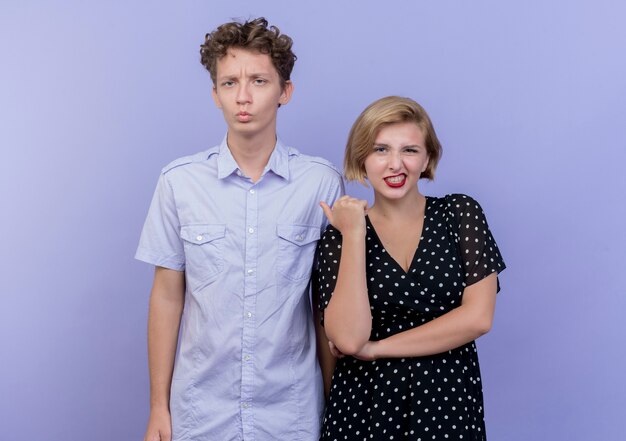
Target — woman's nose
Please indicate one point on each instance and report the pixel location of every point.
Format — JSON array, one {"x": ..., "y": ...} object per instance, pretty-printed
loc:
[{"x": 395, "y": 161}]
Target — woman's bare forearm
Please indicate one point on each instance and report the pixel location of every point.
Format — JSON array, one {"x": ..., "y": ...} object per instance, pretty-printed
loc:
[
  {"x": 347, "y": 317},
  {"x": 453, "y": 329}
]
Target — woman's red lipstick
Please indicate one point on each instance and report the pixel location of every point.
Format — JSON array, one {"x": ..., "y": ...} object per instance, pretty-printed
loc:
[{"x": 395, "y": 181}]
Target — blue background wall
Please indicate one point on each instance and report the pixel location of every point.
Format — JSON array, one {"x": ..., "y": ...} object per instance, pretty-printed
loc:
[{"x": 528, "y": 99}]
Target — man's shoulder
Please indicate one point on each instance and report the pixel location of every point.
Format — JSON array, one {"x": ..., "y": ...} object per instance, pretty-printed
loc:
[
  {"x": 314, "y": 162},
  {"x": 190, "y": 159}
]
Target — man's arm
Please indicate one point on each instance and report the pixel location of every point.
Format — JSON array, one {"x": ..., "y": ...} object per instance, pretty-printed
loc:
[
  {"x": 326, "y": 359},
  {"x": 166, "y": 307}
]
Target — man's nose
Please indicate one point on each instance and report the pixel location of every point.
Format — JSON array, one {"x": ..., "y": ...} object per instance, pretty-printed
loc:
[{"x": 243, "y": 94}]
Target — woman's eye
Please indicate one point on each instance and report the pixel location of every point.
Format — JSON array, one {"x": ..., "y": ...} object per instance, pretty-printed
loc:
[{"x": 379, "y": 149}]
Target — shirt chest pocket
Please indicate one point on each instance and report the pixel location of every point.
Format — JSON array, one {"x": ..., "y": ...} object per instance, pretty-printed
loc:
[
  {"x": 296, "y": 250},
  {"x": 204, "y": 258}
]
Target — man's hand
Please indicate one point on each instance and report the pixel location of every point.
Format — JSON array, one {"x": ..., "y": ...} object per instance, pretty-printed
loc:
[{"x": 159, "y": 426}]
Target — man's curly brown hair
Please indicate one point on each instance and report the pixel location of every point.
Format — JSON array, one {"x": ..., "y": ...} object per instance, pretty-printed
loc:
[{"x": 252, "y": 35}]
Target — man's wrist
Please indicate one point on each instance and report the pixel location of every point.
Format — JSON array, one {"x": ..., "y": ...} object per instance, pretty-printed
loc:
[{"x": 159, "y": 405}]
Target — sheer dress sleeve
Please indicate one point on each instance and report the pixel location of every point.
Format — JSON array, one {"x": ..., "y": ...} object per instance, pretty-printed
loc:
[{"x": 478, "y": 250}]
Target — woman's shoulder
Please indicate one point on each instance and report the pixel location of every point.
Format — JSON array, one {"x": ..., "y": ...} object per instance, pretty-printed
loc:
[
  {"x": 458, "y": 200},
  {"x": 455, "y": 203},
  {"x": 455, "y": 208}
]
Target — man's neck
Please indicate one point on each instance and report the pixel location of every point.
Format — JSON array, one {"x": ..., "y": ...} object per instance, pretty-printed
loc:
[{"x": 252, "y": 154}]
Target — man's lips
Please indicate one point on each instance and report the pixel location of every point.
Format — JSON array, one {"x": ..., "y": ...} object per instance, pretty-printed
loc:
[
  {"x": 243, "y": 116},
  {"x": 395, "y": 181}
]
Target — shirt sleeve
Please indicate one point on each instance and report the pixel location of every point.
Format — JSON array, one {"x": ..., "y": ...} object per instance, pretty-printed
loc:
[
  {"x": 335, "y": 192},
  {"x": 478, "y": 250},
  {"x": 160, "y": 243},
  {"x": 328, "y": 258}
]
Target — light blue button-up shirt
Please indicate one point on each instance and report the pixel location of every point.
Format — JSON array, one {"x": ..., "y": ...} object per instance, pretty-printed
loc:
[{"x": 246, "y": 366}]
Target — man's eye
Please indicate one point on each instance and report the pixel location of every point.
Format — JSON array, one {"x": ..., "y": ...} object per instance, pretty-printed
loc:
[
  {"x": 260, "y": 81},
  {"x": 228, "y": 83}
]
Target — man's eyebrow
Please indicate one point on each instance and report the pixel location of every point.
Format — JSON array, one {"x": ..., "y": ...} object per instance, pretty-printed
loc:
[
  {"x": 251, "y": 75},
  {"x": 226, "y": 77}
]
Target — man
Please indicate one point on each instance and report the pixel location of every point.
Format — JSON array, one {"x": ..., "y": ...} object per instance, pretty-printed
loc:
[{"x": 232, "y": 232}]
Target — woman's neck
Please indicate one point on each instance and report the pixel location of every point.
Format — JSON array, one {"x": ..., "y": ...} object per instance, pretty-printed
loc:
[{"x": 398, "y": 210}]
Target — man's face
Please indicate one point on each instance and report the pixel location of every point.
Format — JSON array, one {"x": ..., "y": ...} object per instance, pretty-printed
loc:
[{"x": 248, "y": 91}]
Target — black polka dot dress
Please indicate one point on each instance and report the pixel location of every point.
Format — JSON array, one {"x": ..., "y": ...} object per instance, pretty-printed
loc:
[{"x": 436, "y": 397}]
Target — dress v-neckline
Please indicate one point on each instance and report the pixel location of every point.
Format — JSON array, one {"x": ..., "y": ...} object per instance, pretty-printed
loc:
[{"x": 419, "y": 243}]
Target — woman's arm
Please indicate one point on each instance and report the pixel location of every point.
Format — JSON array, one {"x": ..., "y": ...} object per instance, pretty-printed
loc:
[
  {"x": 347, "y": 318},
  {"x": 462, "y": 325}
]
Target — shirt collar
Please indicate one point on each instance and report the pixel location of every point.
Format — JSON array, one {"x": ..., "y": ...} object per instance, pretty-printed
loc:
[{"x": 278, "y": 162}]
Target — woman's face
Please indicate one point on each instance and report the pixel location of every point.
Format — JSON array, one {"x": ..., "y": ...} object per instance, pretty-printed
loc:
[{"x": 397, "y": 160}]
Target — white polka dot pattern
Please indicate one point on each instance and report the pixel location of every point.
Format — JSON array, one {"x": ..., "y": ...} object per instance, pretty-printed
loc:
[{"x": 421, "y": 398}]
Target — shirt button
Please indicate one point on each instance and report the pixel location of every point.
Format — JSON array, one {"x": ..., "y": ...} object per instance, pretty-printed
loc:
[
  {"x": 250, "y": 272},
  {"x": 249, "y": 314},
  {"x": 244, "y": 405},
  {"x": 252, "y": 191},
  {"x": 250, "y": 230},
  {"x": 199, "y": 238},
  {"x": 246, "y": 357},
  {"x": 299, "y": 237}
]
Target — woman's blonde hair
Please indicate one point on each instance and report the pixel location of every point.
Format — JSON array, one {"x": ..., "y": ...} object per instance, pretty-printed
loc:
[{"x": 381, "y": 113}]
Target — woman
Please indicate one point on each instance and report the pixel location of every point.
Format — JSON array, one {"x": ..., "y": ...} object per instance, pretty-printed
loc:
[{"x": 406, "y": 286}]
